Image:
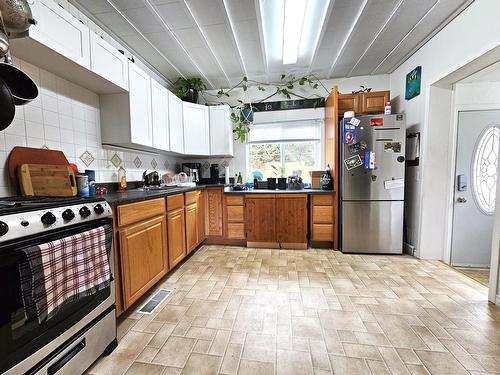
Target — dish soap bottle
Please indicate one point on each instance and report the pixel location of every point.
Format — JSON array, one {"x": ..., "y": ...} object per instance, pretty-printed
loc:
[
  {"x": 122, "y": 178},
  {"x": 327, "y": 179}
]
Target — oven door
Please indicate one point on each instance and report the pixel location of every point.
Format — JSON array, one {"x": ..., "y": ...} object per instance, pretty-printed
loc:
[{"x": 23, "y": 340}]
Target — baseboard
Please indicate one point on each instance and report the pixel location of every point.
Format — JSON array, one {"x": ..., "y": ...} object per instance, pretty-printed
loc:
[{"x": 408, "y": 249}]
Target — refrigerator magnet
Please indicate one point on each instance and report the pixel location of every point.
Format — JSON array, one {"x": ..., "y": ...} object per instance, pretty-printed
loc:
[
  {"x": 376, "y": 121},
  {"x": 394, "y": 147},
  {"x": 354, "y": 121},
  {"x": 354, "y": 149},
  {"x": 394, "y": 184},
  {"x": 353, "y": 162},
  {"x": 350, "y": 134},
  {"x": 369, "y": 160}
]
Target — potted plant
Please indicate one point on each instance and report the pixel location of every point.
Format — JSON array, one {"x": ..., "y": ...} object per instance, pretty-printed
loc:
[
  {"x": 187, "y": 88},
  {"x": 282, "y": 180}
]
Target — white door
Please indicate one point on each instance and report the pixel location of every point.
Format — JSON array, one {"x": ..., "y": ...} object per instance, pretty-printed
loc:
[
  {"x": 196, "y": 129},
  {"x": 175, "y": 125},
  {"x": 159, "y": 108},
  {"x": 478, "y": 147},
  {"x": 140, "y": 106},
  {"x": 221, "y": 131}
]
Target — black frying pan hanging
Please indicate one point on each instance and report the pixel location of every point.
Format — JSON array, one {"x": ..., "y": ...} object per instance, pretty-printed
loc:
[
  {"x": 22, "y": 87},
  {"x": 7, "y": 105}
]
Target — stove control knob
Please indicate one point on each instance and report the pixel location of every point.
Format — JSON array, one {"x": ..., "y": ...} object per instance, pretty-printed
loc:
[
  {"x": 25, "y": 223},
  {"x": 48, "y": 218},
  {"x": 4, "y": 228},
  {"x": 99, "y": 209},
  {"x": 84, "y": 211},
  {"x": 68, "y": 215}
]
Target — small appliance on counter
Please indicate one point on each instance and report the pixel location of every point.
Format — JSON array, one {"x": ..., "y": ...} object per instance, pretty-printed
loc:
[
  {"x": 295, "y": 183},
  {"x": 151, "y": 178},
  {"x": 214, "y": 173},
  {"x": 192, "y": 169}
]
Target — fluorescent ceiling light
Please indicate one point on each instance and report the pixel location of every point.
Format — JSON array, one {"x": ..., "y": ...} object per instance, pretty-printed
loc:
[
  {"x": 292, "y": 31},
  {"x": 314, "y": 23}
]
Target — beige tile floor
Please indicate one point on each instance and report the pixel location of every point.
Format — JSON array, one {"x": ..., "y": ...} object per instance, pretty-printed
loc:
[{"x": 246, "y": 311}]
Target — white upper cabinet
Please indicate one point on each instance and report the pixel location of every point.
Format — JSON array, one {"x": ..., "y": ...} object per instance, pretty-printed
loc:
[
  {"x": 159, "y": 109},
  {"x": 196, "y": 129},
  {"x": 141, "y": 130},
  {"x": 108, "y": 62},
  {"x": 59, "y": 31},
  {"x": 175, "y": 123},
  {"x": 221, "y": 131}
]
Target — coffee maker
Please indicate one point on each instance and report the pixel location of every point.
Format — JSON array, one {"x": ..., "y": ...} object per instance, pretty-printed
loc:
[
  {"x": 214, "y": 173},
  {"x": 192, "y": 169}
]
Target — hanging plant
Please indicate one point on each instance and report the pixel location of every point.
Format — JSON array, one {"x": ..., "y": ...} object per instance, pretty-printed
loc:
[{"x": 242, "y": 113}]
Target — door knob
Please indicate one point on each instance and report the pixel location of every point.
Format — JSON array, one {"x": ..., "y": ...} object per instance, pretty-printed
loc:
[{"x": 461, "y": 200}]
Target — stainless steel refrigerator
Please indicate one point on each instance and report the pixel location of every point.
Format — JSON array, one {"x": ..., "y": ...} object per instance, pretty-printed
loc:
[{"x": 372, "y": 184}]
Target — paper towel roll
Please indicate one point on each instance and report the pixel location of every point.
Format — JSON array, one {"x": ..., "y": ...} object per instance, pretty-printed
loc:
[{"x": 226, "y": 171}]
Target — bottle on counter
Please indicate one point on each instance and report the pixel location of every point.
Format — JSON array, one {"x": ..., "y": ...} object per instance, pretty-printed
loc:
[
  {"x": 387, "y": 108},
  {"x": 327, "y": 179},
  {"x": 122, "y": 178},
  {"x": 240, "y": 179}
]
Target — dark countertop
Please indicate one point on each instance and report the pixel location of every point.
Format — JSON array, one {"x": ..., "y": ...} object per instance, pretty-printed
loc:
[
  {"x": 129, "y": 196},
  {"x": 228, "y": 190}
]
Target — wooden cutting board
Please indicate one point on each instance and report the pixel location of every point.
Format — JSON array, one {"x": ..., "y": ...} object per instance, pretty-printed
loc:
[
  {"x": 28, "y": 155},
  {"x": 47, "y": 180}
]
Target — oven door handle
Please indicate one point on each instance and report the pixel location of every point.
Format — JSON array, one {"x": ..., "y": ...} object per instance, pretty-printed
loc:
[{"x": 66, "y": 358}]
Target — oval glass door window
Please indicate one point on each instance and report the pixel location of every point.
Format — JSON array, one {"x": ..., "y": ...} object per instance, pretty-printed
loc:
[{"x": 484, "y": 169}]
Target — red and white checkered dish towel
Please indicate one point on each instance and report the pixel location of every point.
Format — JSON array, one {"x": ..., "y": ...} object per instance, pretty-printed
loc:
[{"x": 64, "y": 270}]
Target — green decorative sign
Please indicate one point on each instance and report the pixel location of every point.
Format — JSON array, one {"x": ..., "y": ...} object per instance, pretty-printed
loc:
[{"x": 288, "y": 104}]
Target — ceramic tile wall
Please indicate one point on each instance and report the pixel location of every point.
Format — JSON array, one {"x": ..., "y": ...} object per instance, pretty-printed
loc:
[{"x": 66, "y": 117}]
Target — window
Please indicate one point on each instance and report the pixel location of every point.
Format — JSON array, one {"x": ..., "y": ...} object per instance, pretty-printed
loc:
[
  {"x": 284, "y": 148},
  {"x": 484, "y": 169}
]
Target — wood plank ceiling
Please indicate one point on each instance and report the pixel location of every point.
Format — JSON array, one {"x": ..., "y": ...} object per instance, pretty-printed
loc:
[{"x": 223, "y": 40}]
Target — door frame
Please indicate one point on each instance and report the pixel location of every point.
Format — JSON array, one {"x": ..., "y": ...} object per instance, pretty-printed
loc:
[{"x": 453, "y": 145}]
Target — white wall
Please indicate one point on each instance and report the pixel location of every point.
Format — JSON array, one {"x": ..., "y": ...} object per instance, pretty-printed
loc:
[
  {"x": 473, "y": 33},
  {"x": 66, "y": 117},
  {"x": 346, "y": 85}
]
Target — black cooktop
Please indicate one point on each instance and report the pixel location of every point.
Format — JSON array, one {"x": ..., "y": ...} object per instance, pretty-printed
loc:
[{"x": 11, "y": 205}]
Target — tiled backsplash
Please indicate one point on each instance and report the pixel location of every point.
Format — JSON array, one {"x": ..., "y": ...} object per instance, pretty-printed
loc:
[{"x": 66, "y": 117}]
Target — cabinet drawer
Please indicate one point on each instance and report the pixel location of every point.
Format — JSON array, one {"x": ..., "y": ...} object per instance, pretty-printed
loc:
[
  {"x": 191, "y": 197},
  {"x": 236, "y": 231},
  {"x": 235, "y": 213},
  {"x": 175, "y": 202},
  {"x": 134, "y": 212},
  {"x": 322, "y": 214},
  {"x": 322, "y": 232},
  {"x": 235, "y": 200},
  {"x": 322, "y": 199}
]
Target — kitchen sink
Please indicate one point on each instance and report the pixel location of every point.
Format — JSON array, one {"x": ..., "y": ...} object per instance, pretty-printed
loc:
[{"x": 156, "y": 188}]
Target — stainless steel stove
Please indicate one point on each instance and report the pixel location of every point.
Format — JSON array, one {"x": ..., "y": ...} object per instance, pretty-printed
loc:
[
  {"x": 85, "y": 328},
  {"x": 23, "y": 216}
]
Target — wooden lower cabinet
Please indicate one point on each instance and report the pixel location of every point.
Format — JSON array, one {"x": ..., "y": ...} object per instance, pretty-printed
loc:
[
  {"x": 214, "y": 227},
  {"x": 143, "y": 257},
  {"x": 291, "y": 223},
  {"x": 323, "y": 220},
  {"x": 191, "y": 227},
  {"x": 261, "y": 221},
  {"x": 176, "y": 236},
  {"x": 202, "y": 205},
  {"x": 234, "y": 217}
]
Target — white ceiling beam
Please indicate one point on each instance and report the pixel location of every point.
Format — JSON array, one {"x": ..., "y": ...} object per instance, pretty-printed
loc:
[
  {"x": 434, "y": 32},
  {"x": 322, "y": 34},
  {"x": 111, "y": 2},
  {"x": 258, "y": 12},
  {"x": 207, "y": 43},
  {"x": 229, "y": 22},
  {"x": 167, "y": 28},
  {"x": 404, "y": 37},
  {"x": 389, "y": 19},
  {"x": 348, "y": 36}
]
